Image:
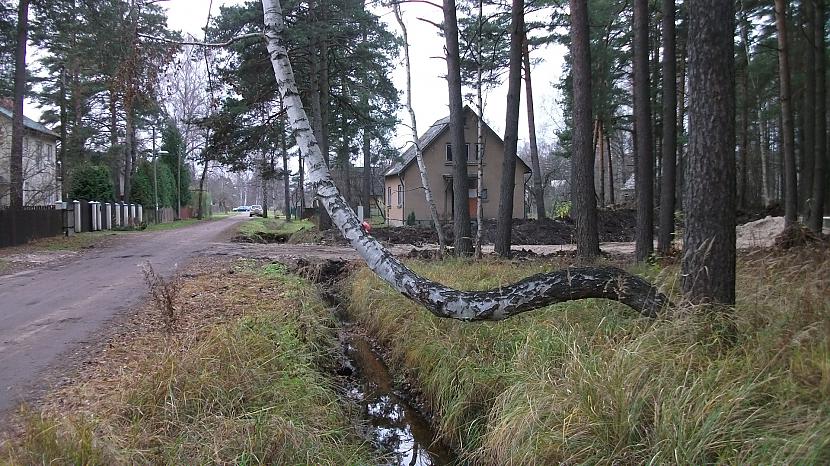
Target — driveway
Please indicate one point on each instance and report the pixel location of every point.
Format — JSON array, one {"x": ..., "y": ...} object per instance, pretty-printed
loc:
[{"x": 48, "y": 310}]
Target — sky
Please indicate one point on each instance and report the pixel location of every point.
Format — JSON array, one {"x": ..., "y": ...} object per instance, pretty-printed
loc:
[{"x": 429, "y": 89}]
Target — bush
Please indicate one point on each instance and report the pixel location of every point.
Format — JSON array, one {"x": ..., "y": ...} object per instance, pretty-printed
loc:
[
  {"x": 91, "y": 182},
  {"x": 411, "y": 220}
]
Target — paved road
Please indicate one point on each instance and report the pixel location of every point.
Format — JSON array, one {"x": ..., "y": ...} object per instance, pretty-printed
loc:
[{"x": 47, "y": 310}]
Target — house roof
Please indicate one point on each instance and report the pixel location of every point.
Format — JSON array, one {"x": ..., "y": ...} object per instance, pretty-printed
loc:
[
  {"x": 428, "y": 138},
  {"x": 29, "y": 123}
]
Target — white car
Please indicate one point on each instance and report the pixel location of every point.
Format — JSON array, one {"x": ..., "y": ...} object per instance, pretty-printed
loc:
[{"x": 255, "y": 210}]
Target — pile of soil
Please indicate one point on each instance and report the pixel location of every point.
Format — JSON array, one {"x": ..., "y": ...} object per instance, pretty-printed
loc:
[
  {"x": 750, "y": 215},
  {"x": 614, "y": 226}
]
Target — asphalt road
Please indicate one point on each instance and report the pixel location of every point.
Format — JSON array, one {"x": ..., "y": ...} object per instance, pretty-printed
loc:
[{"x": 46, "y": 311}]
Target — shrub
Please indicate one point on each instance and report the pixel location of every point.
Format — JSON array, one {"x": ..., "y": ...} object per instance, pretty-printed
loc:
[{"x": 91, "y": 182}]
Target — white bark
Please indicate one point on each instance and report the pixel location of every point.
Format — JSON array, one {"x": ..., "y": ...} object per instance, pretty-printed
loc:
[
  {"x": 419, "y": 156},
  {"x": 528, "y": 294}
]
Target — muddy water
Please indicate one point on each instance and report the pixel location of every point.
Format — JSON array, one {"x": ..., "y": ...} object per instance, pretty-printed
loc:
[{"x": 395, "y": 427}]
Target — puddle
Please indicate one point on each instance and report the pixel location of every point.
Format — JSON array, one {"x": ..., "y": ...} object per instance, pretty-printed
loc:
[{"x": 395, "y": 426}]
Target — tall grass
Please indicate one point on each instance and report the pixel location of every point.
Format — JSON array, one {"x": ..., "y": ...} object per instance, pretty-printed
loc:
[
  {"x": 253, "y": 391},
  {"x": 591, "y": 382}
]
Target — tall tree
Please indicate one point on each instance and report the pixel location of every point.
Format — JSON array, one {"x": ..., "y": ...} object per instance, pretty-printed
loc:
[
  {"x": 463, "y": 242},
  {"x": 504, "y": 225},
  {"x": 7, "y": 47},
  {"x": 816, "y": 219},
  {"x": 668, "y": 163},
  {"x": 422, "y": 168},
  {"x": 708, "y": 265},
  {"x": 583, "y": 194},
  {"x": 538, "y": 188},
  {"x": 642, "y": 132},
  {"x": 16, "y": 165},
  {"x": 788, "y": 136}
]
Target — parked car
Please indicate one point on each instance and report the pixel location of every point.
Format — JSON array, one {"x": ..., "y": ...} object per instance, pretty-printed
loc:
[
  {"x": 256, "y": 210},
  {"x": 242, "y": 208}
]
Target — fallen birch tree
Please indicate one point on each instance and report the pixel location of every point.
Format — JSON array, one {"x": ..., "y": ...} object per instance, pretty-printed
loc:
[{"x": 496, "y": 304}]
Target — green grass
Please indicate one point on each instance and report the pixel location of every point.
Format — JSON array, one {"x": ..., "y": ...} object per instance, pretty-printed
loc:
[
  {"x": 257, "y": 229},
  {"x": 253, "y": 391},
  {"x": 591, "y": 382},
  {"x": 174, "y": 225}
]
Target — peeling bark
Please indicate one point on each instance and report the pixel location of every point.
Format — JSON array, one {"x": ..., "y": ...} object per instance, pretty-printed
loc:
[{"x": 496, "y": 304}]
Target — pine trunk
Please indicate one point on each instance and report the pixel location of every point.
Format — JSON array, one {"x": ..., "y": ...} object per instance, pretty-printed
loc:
[
  {"x": 583, "y": 194},
  {"x": 644, "y": 181},
  {"x": 808, "y": 114},
  {"x": 790, "y": 184},
  {"x": 538, "y": 188},
  {"x": 668, "y": 164},
  {"x": 460, "y": 186},
  {"x": 16, "y": 162},
  {"x": 504, "y": 225},
  {"x": 497, "y": 304},
  {"x": 820, "y": 132},
  {"x": 708, "y": 265}
]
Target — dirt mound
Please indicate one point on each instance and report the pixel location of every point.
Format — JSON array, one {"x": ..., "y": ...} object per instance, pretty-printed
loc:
[
  {"x": 797, "y": 235},
  {"x": 751, "y": 215},
  {"x": 760, "y": 233}
]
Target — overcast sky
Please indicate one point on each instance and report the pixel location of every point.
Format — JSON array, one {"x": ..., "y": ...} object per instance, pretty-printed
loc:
[{"x": 429, "y": 88}]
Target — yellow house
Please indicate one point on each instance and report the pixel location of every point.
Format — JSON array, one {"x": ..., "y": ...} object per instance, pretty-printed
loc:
[
  {"x": 404, "y": 193},
  {"x": 41, "y": 185}
]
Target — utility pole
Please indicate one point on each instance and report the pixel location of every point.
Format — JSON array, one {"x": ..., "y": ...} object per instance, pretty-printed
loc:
[{"x": 155, "y": 175}]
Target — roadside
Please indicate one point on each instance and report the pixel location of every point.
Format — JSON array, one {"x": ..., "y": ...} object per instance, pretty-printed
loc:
[
  {"x": 55, "y": 308},
  {"x": 158, "y": 391},
  {"x": 60, "y": 249}
]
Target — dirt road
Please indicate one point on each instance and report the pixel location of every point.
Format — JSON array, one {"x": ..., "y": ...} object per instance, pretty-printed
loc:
[{"x": 52, "y": 309}]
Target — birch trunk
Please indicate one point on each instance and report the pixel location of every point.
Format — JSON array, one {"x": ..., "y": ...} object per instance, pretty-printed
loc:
[
  {"x": 479, "y": 141},
  {"x": 419, "y": 156},
  {"x": 496, "y": 304}
]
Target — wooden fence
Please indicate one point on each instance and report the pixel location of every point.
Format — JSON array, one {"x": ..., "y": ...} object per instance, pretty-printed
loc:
[{"x": 21, "y": 226}]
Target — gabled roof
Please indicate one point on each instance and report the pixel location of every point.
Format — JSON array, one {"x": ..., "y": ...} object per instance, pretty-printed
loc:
[
  {"x": 430, "y": 136},
  {"x": 29, "y": 123}
]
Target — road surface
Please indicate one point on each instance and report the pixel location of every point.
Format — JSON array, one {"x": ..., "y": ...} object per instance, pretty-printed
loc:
[{"x": 46, "y": 311}]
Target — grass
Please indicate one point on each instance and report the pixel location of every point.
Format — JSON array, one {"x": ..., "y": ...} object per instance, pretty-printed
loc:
[
  {"x": 252, "y": 390},
  {"x": 590, "y": 382},
  {"x": 260, "y": 229}
]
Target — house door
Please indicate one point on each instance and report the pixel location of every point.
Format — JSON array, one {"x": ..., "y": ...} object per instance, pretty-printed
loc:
[{"x": 472, "y": 201}]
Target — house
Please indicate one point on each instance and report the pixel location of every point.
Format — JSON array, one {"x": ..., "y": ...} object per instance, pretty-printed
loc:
[
  {"x": 41, "y": 182},
  {"x": 404, "y": 190}
]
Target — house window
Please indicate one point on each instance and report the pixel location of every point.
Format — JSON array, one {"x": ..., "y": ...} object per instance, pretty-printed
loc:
[
  {"x": 49, "y": 154},
  {"x": 484, "y": 194},
  {"x": 389, "y": 196},
  {"x": 400, "y": 196},
  {"x": 467, "y": 148},
  {"x": 477, "y": 146},
  {"x": 449, "y": 153},
  {"x": 39, "y": 154}
]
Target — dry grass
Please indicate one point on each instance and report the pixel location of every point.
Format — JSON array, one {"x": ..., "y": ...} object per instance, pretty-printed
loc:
[
  {"x": 243, "y": 380},
  {"x": 591, "y": 382}
]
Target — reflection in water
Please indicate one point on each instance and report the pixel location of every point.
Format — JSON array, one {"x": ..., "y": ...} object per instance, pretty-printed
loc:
[{"x": 395, "y": 426}]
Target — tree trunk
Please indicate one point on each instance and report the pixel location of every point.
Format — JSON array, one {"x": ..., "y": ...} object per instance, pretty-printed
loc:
[
  {"x": 16, "y": 162},
  {"x": 610, "y": 168},
  {"x": 583, "y": 195},
  {"x": 763, "y": 143},
  {"x": 504, "y": 226},
  {"x": 820, "y": 133},
  {"x": 538, "y": 189},
  {"x": 461, "y": 210},
  {"x": 128, "y": 154},
  {"x": 479, "y": 138},
  {"x": 264, "y": 184},
  {"x": 743, "y": 178},
  {"x": 644, "y": 181},
  {"x": 497, "y": 304},
  {"x": 790, "y": 184},
  {"x": 708, "y": 265},
  {"x": 200, "y": 211},
  {"x": 286, "y": 174},
  {"x": 808, "y": 114},
  {"x": 422, "y": 168},
  {"x": 668, "y": 162},
  {"x": 367, "y": 175}
]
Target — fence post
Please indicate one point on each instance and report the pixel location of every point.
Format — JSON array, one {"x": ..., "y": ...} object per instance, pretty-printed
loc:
[
  {"x": 107, "y": 216},
  {"x": 132, "y": 214},
  {"x": 99, "y": 215},
  {"x": 77, "y": 211},
  {"x": 117, "y": 214},
  {"x": 125, "y": 221},
  {"x": 140, "y": 210}
]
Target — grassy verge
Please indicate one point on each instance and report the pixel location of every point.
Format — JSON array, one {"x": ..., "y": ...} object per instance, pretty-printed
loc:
[
  {"x": 241, "y": 381},
  {"x": 590, "y": 382},
  {"x": 259, "y": 230}
]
